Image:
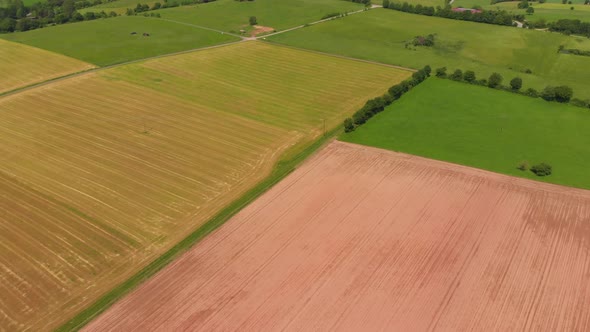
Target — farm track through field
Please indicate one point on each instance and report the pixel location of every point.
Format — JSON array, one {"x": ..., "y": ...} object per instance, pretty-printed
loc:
[
  {"x": 391, "y": 242},
  {"x": 243, "y": 39}
]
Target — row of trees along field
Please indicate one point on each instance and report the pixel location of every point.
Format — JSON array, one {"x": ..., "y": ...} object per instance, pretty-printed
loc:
[
  {"x": 377, "y": 105},
  {"x": 561, "y": 93},
  {"x": 498, "y": 17},
  {"x": 569, "y": 27},
  {"x": 16, "y": 16},
  {"x": 141, "y": 8}
]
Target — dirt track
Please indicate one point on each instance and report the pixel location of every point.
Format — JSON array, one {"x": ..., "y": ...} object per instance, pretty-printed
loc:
[{"x": 361, "y": 239}]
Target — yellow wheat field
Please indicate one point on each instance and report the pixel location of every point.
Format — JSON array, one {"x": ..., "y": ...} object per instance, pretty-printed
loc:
[
  {"x": 23, "y": 65},
  {"x": 101, "y": 173}
]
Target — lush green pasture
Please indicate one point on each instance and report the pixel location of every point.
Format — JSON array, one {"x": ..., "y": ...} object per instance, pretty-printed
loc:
[
  {"x": 109, "y": 41},
  {"x": 381, "y": 34},
  {"x": 231, "y": 15},
  {"x": 484, "y": 128}
]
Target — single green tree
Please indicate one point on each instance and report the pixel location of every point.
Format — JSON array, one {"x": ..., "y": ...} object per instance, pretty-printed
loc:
[
  {"x": 469, "y": 76},
  {"x": 548, "y": 93},
  {"x": 563, "y": 93},
  {"x": 348, "y": 125},
  {"x": 495, "y": 80},
  {"x": 516, "y": 83},
  {"x": 457, "y": 75},
  {"x": 441, "y": 72},
  {"x": 253, "y": 20},
  {"x": 542, "y": 169}
]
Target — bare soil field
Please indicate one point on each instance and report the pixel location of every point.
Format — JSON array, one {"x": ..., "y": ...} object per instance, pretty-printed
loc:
[
  {"x": 362, "y": 239},
  {"x": 104, "y": 172}
]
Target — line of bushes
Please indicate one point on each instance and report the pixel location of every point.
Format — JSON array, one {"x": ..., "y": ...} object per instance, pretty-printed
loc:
[
  {"x": 364, "y": 2},
  {"x": 498, "y": 17},
  {"x": 568, "y": 27},
  {"x": 561, "y": 94},
  {"x": 542, "y": 169},
  {"x": 573, "y": 51},
  {"x": 377, "y": 105},
  {"x": 141, "y": 8}
]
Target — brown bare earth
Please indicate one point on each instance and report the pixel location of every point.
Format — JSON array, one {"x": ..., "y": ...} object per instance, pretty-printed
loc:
[
  {"x": 363, "y": 239},
  {"x": 259, "y": 29}
]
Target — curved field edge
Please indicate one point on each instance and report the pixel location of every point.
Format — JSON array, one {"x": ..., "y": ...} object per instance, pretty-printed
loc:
[
  {"x": 26, "y": 65},
  {"x": 282, "y": 168}
]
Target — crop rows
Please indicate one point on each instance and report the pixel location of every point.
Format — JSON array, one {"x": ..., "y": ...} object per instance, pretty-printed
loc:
[
  {"x": 23, "y": 65},
  {"x": 365, "y": 239},
  {"x": 102, "y": 172}
]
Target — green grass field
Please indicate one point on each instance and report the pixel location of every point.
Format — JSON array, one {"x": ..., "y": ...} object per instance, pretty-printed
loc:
[
  {"x": 484, "y": 128},
  {"x": 381, "y": 34},
  {"x": 231, "y": 15},
  {"x": 109, "y": 41}
]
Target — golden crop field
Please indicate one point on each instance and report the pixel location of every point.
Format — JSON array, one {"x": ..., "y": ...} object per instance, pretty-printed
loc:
[
  {"x": 101, "y": 173},
  {"x": 22, "y": 65}
]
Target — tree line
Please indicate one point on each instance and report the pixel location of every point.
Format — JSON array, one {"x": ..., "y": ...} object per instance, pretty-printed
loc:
[
  {"x": 498, "y": 17},
  {"x": 16, "y": 16},
  {"x": 364, "y": 2},
  {"x": 377, "y": 105},
  {"x": 573, "y": 51},
  {"x": 561, "y": 93},
  {"x": 569, "y": 27}
]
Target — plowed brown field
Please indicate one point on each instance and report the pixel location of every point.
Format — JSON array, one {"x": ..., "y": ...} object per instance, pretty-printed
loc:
[{"x": 362, "y": 239}]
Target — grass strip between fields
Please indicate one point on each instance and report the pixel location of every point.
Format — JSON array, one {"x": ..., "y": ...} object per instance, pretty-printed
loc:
[{"x": 280, "y": 171}]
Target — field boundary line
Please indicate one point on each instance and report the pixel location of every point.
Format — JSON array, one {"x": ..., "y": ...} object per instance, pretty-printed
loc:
[
  {"x": 280, "y": 170},
  {"x": 242, "y": 39},
  {"x": 204, "y": 28},
  {"x": 98, "y": 69},
  {"x": 341, "y": 56},
  {"x": 321, "y": 21}
]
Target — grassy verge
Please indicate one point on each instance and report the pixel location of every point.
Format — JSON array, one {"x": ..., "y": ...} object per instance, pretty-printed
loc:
[{"x": 282, "y": 169}]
